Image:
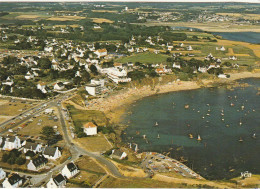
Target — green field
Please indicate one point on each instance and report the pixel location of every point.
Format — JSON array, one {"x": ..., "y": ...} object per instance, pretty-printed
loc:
[{"x": 146, "y": 58}]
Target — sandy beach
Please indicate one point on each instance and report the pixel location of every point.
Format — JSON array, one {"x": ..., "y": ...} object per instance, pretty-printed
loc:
[{"x": 115, "y": 105}]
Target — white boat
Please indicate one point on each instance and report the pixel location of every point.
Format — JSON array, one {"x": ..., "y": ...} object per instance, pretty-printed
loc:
[
  {"x": 199, "y": 139},
  {"x": 144, "y": 136},
  {"x": 136, "y": 147},
  {"x": 240, "y": 123},
  {"x": 241, "y": 140},
  {"x": 156, "y": 123},
  {"x": 190, "y": 135},
  {"x": 158, "y": 136},
  {"x": 254, "y": 135}
]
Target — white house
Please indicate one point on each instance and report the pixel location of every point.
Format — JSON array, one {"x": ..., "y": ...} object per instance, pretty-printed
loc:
[
  {"x": 37, "y": 163},
  {"x": 57, "y": 182},
  {"x": 51, "y": 153},
  {"x": 223, "y": 76},
  {"x": 70, "y": 170},
  {"x": 13, "y": 181},
  {"x": 41, "y": 86},
  {"x": 222, "y": 48},
  {"x": 29, "y": 75},
  {"x": 100, "y": 82},
  {"x": 2, "y": 174},
  {"x": 93, "y": 89},
  {"x": 101, "y": 52},
  {"x": 9, "y": 143},
  {"x": 175, "y": 65},
  {"x": 189, "y": 48},
  {"x": 202, "y": 69},
  {"x": 29, "y": 146},
  {"x": 90, "y": 128},
  {"x": 59, "y": 86},
  {"x": 118, "y": 154}
]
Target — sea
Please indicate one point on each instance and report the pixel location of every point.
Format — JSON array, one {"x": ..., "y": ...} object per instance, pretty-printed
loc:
[
  {"x": 250, "y": 37},
  {"x": 227, "y": 121}
]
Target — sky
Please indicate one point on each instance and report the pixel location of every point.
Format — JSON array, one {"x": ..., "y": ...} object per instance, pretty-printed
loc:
[{"x": 244, "y": 1}]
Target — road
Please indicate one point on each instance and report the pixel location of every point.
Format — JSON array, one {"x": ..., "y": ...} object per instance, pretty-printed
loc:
[{"x": 38, "y": 180}]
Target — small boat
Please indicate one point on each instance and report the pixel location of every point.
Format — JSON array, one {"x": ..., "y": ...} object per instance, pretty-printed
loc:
[
  {"x": 158, "y": 136},
  {"x": 232, "y": 104},
  {"x": 144, "y": 136},
  {"x": 203, "y": 117},
  {"x": 242, "y": 107},
  {"x": 222, "y": 119},
  {"x": 156, "y": 123},
  {"x": 254, "y": 135},
  {"x": 240, "y": 123},
  {"x": 136, "y": 147},
  {"x": 227, "y": 125},
  {"x": 222, "y": 114},
  {"x": 199, "y": 139},
  {"x": 208, "y": 114},
  {"x": 186, "y": 106},
  {"x": 190, "y": 136},
  {"x": 241, "y": 140}
]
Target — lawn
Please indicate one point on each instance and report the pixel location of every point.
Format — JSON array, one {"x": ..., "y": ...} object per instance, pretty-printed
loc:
[
  {"x": 80, "y": 117},
  {"x": 66, "y": 18},
  {"x": 101, "y": 20},
  {"x": 146, "y": 58}
]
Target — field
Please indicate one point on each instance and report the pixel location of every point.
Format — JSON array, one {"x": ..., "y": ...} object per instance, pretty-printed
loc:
[
  {"x": 80, "y": 117},
  {"x": 66, "y": 18},
  {"x": 96, "y": 143},
  {"x": 34, "y": 127},
  {"x": 244, "y": 16},
  {"x": 147, "y": 58},
  {"x": 101, "y": 20},
  {"x": 211, "y": 26},
  {"x": 109, "y": 11},
  {"x": 23, "y": 16}
]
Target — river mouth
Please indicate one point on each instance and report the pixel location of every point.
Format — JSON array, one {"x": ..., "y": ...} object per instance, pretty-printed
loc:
[{"x": 226, "y": 121}]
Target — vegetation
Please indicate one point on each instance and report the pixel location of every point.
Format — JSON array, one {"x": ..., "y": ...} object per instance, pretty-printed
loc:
[{"x": 13, "y": 157}]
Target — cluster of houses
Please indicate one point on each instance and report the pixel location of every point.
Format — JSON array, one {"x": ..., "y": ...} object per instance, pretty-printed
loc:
[{"x": 14, "y": 180}]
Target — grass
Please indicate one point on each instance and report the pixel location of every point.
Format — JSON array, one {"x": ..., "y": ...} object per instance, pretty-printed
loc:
[
  {"x": 81, "y": 117},
  {"x": 101, "y": 20},
  {"x": 112, "y": 182},
  {"x": 96, "y": 143},
  {"x": 147, "y": 58},
  {"x": 66, "y": 18}
]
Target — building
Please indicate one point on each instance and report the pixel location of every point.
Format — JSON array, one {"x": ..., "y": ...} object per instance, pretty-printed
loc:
[
  {"x": 90, "y": 129},
  {"x": 98, "y": 82},
  {"x": 41, "y": 86},
  {"x": 13, "y": 181},
  {"x": 101, "y": 52},
  {"x": 176, "y": 65},
  {"x": 51, "y": 153},
  {"x": 29, "y": 75},
  {"x": 189, "y": 48},
  {"x": 9, "y": 143},
  {"x": 2, "y": 174},
  {"x": 93, "y": 89},
  {"x": 118, "y": 154},
  {"x": 57, "y": 182},
  {"x": 29, "y": 146},
  {"x": 59, "y": 86},
  {"x": 37, "y": 163},
  {"x": 202, "y": 69},
  {"x": 70, "y": 170}
]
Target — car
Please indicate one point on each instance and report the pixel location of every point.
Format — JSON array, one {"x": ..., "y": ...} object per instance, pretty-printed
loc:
[
  {"x": 82, "y": 155},
  {"x": 69, "y": 157}
]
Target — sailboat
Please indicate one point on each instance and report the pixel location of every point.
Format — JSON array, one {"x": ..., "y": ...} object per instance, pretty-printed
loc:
[
  {"x": 240, "y": 140},
  {"x": 190, "y": 135},
  {"x": 199, "y": 139},
  {"x": 158, "y": 136},
  {"x": 156, "y": 123}
]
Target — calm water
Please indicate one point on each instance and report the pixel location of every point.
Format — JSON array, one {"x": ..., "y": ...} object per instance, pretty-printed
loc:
[
  {"x": 219, "y": 154},
  {"x": 251, "y": 37}
]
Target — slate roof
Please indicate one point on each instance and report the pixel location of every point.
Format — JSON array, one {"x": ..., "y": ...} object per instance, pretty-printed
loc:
[
  {"x": 118, "y": 152},
  {"x": 50, "y": 151},
  {"x": 59, "y": 179},
  {"x": 71, "y": 166},
  {"x": 14, "y": 178},
  {"x": 30, "y": 145},
  {"x": 39, "y": 161}
]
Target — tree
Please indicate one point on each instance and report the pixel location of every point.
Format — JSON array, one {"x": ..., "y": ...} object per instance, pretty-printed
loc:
[
  {"x": 5, "y": 157},
  {"x": 93, "y": 69},
  {"x": 85, "y": 76},
  {"x": 20, "y": 161},
  {"x": 48, "y": 132},
  {"x": 44, "y": 63},
  {"x": 76, "y": 80}
]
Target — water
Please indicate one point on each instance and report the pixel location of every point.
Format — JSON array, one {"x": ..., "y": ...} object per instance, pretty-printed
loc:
[
  {"x": 219, "y": 154},
  {"x": 250, "y": 37}
]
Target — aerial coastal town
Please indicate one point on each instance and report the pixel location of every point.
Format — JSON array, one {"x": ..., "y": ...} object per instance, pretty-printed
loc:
[{"x": 70, "y": 71}]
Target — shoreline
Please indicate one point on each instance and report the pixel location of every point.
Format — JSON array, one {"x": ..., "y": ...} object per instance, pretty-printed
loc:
[{"x": 115, "y": 105}]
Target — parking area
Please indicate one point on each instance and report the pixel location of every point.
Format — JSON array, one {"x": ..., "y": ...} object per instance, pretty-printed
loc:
[{"x": 155, "y": 162}]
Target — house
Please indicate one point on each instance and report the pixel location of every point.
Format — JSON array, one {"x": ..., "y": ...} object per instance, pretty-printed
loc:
[
  {"x": 222, "y": 48},
  {"x": 48, "y": 111},
  {"x": 51, "y": 153},
  {"x": 29, "y": 146},
  {"x": 9, "y": 143},
  {"x": 37, "y": 163},
  {"x": 29, "y": 75},
  {"x": 90, "y": 128},
  {"x": 100, "y": 82},
  {"x": 223, "y": 76},
  {"x": 41, "y": 86},
  {"x": 70, "y": 170},
  {"x": 176, "y": 65},
  {"x": 189, "y": 48},
  {"x": 101, "y": 52},
  {"x": 2, "y": 174},
  {"x": 57, "y": 182},
  {"x": 118, "y": 154},
  {"x": 59, "y": 86},
  {"x": 93, "y": 89},
  {"x": 202, "y": 69},
  {"x": 13, "y": 181}
]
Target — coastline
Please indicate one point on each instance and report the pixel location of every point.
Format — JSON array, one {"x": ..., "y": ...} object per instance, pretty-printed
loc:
[{"x": 115, "y": 105}]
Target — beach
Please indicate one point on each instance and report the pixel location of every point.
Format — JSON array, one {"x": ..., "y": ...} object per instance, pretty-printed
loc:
[{"x": 115, "y": 105}]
